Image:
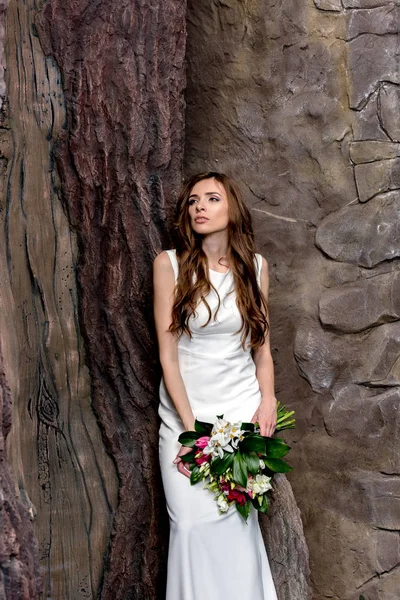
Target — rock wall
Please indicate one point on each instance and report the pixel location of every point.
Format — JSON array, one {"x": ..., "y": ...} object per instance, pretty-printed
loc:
[{"x": 300, "y": 101}]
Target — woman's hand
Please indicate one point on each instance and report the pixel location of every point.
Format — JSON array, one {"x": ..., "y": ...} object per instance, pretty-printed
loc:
[
  {"x": 266, "y": 415},
  {"x": 182, "y": 466}
]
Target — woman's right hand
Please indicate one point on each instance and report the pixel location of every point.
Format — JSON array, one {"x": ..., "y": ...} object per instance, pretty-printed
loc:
[{"x": 179, "y": 462}]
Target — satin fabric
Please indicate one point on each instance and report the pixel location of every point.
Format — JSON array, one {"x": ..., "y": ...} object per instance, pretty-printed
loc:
[{"x": 210, "y": 555}]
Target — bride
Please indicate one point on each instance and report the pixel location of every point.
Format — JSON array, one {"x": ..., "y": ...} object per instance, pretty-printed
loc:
[{"x": 210, "y": 308}]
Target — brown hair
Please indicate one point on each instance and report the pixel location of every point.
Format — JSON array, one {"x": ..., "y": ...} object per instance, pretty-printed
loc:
[{"x": 192, "y": 259}]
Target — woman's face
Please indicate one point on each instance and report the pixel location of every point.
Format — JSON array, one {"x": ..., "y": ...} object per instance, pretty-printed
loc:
[{"x": 208, "y": 207}]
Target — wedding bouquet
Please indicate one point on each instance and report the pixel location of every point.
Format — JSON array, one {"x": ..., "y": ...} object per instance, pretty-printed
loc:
[{"x": 237, "y": 462}]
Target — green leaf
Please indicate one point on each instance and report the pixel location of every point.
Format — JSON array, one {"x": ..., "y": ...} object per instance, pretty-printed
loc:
[
  {"x": 247, "y": 426},
  {"x": 244, "y": 510},
  {"x": 202, "y": 427},
  {"x": 189, "y": 457},
  {"x": 239, "y": 471},
  {"x": 361, "y": 598},
  {"x": 277, "y": 465},
  {"x": 188, "y": 438},
  {"x": 219, "y": 465},
  {"x": 253, "y": 443},
  {"x": 276, "y": 448},
  {"x": 252, "y": 461},
  {"x": 196, "y": 475},
  {"x": 264, "y": 506}
]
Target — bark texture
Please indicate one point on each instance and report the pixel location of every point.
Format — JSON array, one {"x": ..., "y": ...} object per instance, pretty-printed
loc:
[
  {"x": 300, "y": 101},
  {"x": 19, "y": 565},
  {"x": 118, "y": 162},
  {"x": 91, "y": 148}
]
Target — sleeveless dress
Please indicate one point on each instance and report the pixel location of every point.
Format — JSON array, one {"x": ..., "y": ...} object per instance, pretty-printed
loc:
[{"x": 211, "y": 556}]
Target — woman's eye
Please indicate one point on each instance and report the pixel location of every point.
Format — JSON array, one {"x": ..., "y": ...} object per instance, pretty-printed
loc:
[
  {"x": 191, "y": 201},
  {"x": 214, "y": 198}
]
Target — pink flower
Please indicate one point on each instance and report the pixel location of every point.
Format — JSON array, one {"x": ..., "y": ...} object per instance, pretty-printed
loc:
[{"x": 202, "y": 441}]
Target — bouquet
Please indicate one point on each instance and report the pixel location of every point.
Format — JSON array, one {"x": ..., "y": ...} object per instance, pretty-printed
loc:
[{"x": 236, "y": 462}]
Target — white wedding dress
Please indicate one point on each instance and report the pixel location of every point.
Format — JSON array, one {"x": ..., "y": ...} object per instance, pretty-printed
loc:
[{"x": 211, "y": 556}]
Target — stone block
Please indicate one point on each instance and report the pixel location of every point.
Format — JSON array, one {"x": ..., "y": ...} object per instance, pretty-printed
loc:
[
  {"x": 363, "y": 234},
  {"x": 330, "y": 361},
  {"x": 331, "y": 5},
  {"x": 365, "y": 303},
  {"x": 363, "y": 3},
  {"x": 381, "y": 21},
  {"x": 389, "y": 108},
  {"x": 371, "y": 151},
  {"x": 371, "y": 59},
  {"x": 380, "y": 176},
  {"x": 385, "y": 588},
  {"x": 380, "y": 495},
  {"x": 366, "y": 122}
]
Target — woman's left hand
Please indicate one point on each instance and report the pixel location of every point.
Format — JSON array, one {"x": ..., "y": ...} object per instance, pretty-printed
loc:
[{"x": 266, "y": 415}]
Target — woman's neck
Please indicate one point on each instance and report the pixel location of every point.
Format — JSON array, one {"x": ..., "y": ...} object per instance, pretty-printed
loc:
[{"x": 215, "y": 247}]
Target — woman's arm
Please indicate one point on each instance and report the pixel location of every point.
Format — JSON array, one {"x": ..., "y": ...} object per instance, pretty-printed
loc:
[
  {"x": 266, "y": 413},
  {"x": 164, "y": 287}
]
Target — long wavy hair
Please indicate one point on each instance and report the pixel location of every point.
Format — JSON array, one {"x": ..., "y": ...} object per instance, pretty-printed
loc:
[{"x": 250, "y": 300}]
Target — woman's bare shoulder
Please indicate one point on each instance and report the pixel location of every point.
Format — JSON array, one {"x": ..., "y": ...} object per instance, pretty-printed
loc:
[
  {"x": 162, "y": 260},
  {"x": 163, "y": 269}
]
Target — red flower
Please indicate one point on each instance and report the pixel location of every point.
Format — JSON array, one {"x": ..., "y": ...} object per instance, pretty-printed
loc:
[
  {"x": 224, "y": 485},
  {"x": 238, "y": 497},
  {"x": 202, "y": 458}
]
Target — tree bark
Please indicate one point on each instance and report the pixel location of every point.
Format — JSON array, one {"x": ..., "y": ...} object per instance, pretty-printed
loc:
[{"x": 119, "y": 162}]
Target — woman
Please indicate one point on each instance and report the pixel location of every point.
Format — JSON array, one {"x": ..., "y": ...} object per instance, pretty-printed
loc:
[{"x": 212, "y": 328}]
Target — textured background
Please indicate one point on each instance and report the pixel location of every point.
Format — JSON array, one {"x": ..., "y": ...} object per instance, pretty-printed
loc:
[
  {"x": 301, "y": 102},
  {"x": 91, "y": 143}
]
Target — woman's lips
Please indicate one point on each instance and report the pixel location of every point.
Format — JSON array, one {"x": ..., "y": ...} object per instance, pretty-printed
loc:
[{"x": 201, "y": 220}]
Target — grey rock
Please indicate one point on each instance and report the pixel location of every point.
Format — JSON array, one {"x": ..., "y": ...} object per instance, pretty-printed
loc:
[
  {"x": 365, "y": 303},
  {"x": 363, "y": 234},
  {"x": 371, "y": 151},
  {"x": 389, "y": 108},
  {"x": 363, "y": 3},
  {"x": 381, "y": 21},
  {"x": 385, "y": 588},
  {"x": 378, "y": 177},
  {"x": 371, "y": 59},
  {"x": 329, "y": 360},
  {"x": 334, "y": 5},
  {"x": 367, "y": 125},
  {"x": 355, "y": 412},
  {"x": 380, "y": 495},
  {"x": 388, "y": 549}
]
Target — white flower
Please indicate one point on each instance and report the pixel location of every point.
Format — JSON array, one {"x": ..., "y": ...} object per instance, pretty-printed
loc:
[
  {"x": 220, "y": 426},
  {"x": 222, "y": 503},
  {"x": 224, "y": 437},
  {"x": 260, "y": 484},
  {"x": 262, "y": 464}
]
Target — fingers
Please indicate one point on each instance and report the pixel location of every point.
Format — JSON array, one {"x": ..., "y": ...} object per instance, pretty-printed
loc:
[
  {"x": 267, "y": 429},
  {"x": 182, "y": 468}
]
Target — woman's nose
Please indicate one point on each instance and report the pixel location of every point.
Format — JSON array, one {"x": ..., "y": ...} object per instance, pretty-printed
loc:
[{"x": 199, "y": 206}]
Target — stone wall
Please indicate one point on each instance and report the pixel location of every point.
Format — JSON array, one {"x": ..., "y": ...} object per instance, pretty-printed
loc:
[{"x": 300, "y": 101}]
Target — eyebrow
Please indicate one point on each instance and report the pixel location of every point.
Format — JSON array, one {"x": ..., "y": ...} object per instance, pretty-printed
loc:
[{"x": 207, "y": 194}]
